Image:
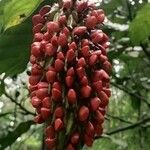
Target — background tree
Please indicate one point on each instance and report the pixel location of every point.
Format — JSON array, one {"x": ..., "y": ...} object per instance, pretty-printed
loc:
[{"x": 128, "y": 119}]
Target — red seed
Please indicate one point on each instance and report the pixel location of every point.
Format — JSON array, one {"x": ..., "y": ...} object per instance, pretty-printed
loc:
[
  {"x": 50, "y": 50},
  {"x": 33, "y": 80},
  {"x": 58, "y": 124},
  {"x": 42, "y": 85},
  {"x": 70, "y": 71},
  {"x": 67, "y": 4},
  {"x": 46, "y": 102},
  {"x": 75, "y": 138},
  {"x": 50, "y": 132},
  {"x": 97, "y": 86},
  {"x": 85, "y": 51},
  {"x": 91, "y": 22},
  {"x": 36, "y": 70},
  {"x": 81, "y": 62},
  {"x": 51, "y": 76},
  {"x": 54, "y": 40},
  {"x": 71, "y": 96},
  {"x": 95, "y": 103},
  {"x": 70, "y": 147},
  {"x": 81, "y": 72},
  {"x": 88, "y": 140},
  {"x": 66, "y": 31},
  {"x": 38, "y": 37},
  {"x": 62, "y": 20},
  {"x": 83, "y": 113},
  {"x": 107, "y": 91},
  {"x": 51, "y": 143},
  {"x": 73, "y": 46},
  {"x": 104, "y": 98},
  {"x": 45, "y": 113},
  {"x": 38, "y": 119},
  {"x": 44, "y": 10},
  {"x": 99, "y": 117},
  {"x": 84, "y": 42},
  {"x": 86, "y": 91},
  {"x": 101, "y": 18},
  {"x": 52, "y": 27},
  {"x": 79, "y": 31},
  {"x": 59, "y": 112},
  {"x": 90, "y": 129},
  {"x": 60, "y": 55},
  {"x": 36, "y": 51},
  {"x": 56, "y": 94},
  {"x": 62, "y": 40},
  {"x": 81, "y": 6},
  {"x": 36, "y": 102},
  {"x": 37, "y": 28},
  {"x": 59, "y": 65},
  {"x": 69, "y": 81},
  {"x": 93, "y": 59},
  {"x": 42, "y": 93},
  {"x": 36, "y": 19},
  {"x": 84, "y": 81},
  {"x": 70, "y": 55},
  {"x": 107, "y": 66},
  {"x": 57, "y": 85}
]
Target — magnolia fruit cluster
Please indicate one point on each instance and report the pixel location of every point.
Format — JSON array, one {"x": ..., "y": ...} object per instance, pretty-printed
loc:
[{"x": 69, "y": 80}]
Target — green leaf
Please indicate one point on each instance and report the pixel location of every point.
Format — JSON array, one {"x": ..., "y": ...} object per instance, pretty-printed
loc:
[
  {"x": 16, "y": 11},
  {"x": 14, "y": 48},
  {"x": 139, "y": 28},
  {"x": 13, "y": 135}
]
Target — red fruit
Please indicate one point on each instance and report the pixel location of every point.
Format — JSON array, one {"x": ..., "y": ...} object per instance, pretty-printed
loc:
[
  {"x": 37, "y": 28},
  {"x": 33, "y": 80},
  {"x": 66, "y": 31},
  {"x": 75, "y": 138},
  {"x": 42, "y": 93},
  {"x": 38, "y": 119},
  {"x": 104, "y": 76},
  {"x": 70, "y": 147},
  {"x": 50, "y": 132},
  {"x": 38, "y": 37},
  {"x": 70, "y": 55},
  {"x": 32, "y": 59},
  {"x": 93, "y": 59},
  {"x": 60, "y": 55},
  {"x": 81, "y": 72},
  {"x": 98, "y": 38},
  {"x": 103, "y": 58},
  {"x": 36, "y": 102},
  {"x": 42, "y": 85},
  {"x": 104, "y": 98},
  {"x": 51, "y": 76},
  {"x": 32, "y": 88},
  {"x": 69, "y": 81},
  {"x": 88, "y": 141},
  {"x": 36, "y": 19},
  {"x": 57, "y": 85},
  {"x": 107, "y": 66},
  {"x": 97, "y": 86},
  {"x": 59, "y": 65},
  {"x": 36, "y": 51},
  {"x": 59, "y": 112},
  {"x": 84, "y": 42},
  {"x": 73, "y": 46},
  {"x": 62, "y": 40},
  {"x": 101, "y": 18},
  {"x": 56, "y": 94},
  {"x": 79, "y": 31},
  {"x": 46, "y": 102},
  {"x": 58, "y": 124},
  {"x": 86, "y": 91},
  {"x": 83, "y": 113},
  {"x": 67, "y": 4},
  {"x": 51, "y": 143},
  {"x": 107, "y": 91},
  {"x": 54, "y": 40},
  {"x": 70, "y": 71},
  {"x": 47, "y": 36},
  {"x": 90, "y": 129},
  {"x": 98, "y": 129},
  {"x": 84, "y": 81},
  {"x": 98, "y": 53},
  {"x": 45, "y": 113},
  {"x": 44, "y": 10},
  {"x": 52, "y": 27},
  {"x": 99, "y": 117},
  {"x": 102, "y": 110},
  {"x": 81, "y": 6},
  {"x": 91, "y": 22},
  {"x": 81, "y": 62},
  {"x": 94, "y": 103},
  {"x": 85, "y": 51},
  {"x": 62, "y": 20},
  {"x": 50, "y": 50},
  {"x": 36, "y": 70},
  {"x": 71, "y": 96}
]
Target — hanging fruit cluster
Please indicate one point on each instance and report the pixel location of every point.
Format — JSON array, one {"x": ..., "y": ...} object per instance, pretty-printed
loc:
[{"x": 69, "y": 81}]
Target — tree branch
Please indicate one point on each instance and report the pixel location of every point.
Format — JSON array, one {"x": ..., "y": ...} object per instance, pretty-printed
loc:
[
  {"x": 18, "y": 104},
  {"x": 131, "y": 93},
  {"x": 121, "y": 129}
]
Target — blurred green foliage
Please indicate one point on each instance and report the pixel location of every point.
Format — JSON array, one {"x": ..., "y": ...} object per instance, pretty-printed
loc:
[{"x": 127, "y": 121}]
